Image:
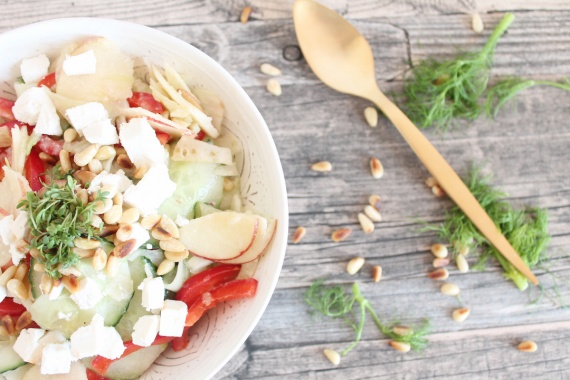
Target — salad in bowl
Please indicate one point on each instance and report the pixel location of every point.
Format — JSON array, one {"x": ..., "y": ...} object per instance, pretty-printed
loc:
[{"x": 122, "y": 215}]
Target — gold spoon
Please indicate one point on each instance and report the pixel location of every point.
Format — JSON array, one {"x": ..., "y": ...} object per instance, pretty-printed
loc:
[{"x": 341, "y": 57}]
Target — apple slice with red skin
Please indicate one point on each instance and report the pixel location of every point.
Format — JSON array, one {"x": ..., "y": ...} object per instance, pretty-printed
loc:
[
  {"x": 265, "y": 233},
  {"x": 221, "y": 235}
]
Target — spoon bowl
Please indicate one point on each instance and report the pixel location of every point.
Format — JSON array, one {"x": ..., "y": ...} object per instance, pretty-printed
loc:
[{"x": 342, "y": 58}]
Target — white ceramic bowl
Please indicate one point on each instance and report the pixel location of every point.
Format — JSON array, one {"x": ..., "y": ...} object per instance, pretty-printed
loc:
[{"x": 221, "y": 333}]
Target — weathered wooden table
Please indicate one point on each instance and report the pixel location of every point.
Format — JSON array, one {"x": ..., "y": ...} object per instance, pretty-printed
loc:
[{"x": 527, "y": 148}]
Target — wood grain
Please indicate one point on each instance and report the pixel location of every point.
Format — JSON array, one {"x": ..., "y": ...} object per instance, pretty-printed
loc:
[{"x": 526, "y": 147}]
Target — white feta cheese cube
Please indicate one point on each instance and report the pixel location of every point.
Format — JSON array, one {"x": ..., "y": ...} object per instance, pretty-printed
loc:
[
  {"x": 139, "y": 233},
  {"x": 48, "y": 122},
  {"x": 82, "y": 116},
  {"x": 151, "y": 191},
  {"x": 118, "y": 180},
  {"x": 80, "y": 64},
  {"x": 27, "y": 345},
  {"x": 173, "y": 318},
  {"x": 145, "y": 330},
  {"x": 102, "y": 132},
  {"x": 2, "y": 293},
  {"x": 88, "y": 294},
  {"x": 96, "y": 339},
  {"x": 140, "y": 141},
  {"x": 197, "y": 264},
  {"x": 28, "y": 106},
  {"x": 52, "y": 336},
  {"x": 55, "y": 291},
  {"x": 152, "y": 293},
  {"x": 111, "y": 345},
  {"x": 34, "y": 69},
  {"x": 56, "y": 359}
]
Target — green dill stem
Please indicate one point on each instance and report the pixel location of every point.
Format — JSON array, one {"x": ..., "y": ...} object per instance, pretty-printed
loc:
[
  {"x": 362, "y": 302},
  {"x": 497, "y": 33}
]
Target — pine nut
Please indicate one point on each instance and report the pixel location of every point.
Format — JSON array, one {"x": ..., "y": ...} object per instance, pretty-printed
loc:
[
  {"x": 96, "y": 221},
  {"x": 477, "y": 23},
  {"x": 430, "y": 182},
  {"x": 354, "y": 265},
  {"x": 439, "y": 274},
  {"x": 83, "y": 196},
  {"x": 84, "y": 176},
  {"x": 129, "y": 216},
  {"x": 140, "y": 172},
  {"x": 450, "y": 289},
  {"x": 95, "y": 166},
  {"x": 438, "y": 191},
  {"x": 173, "y": 245},
  {"x": 8, "y": 275},
  {"x": 124, "y": 233},
  {"x": 375, "y": 201},
  {"x": 83, "y": 253},
  {"x": 376, "y": 168},
  {"x": 269, "y": 69},
  {"x": 82, "y": 158},
  {"x": 332, "y": 356},
  {"x": 21, "y": 272},
  {"x": 9, "y": 325},
  {"x": 118, "y": 199},
  {"x": 108, "y": 230},
  {"x": 3, "y": 332},
  {"x": 99, "y": 260},
  {"x": 274, "y": 87},
  {"x": 464, "y": 251},
  {"x": 125, "y": 248},
  {"x": 401, "y": 330},
  {"x": 439, "y": 262},
  {"x": 108, "y": 191},
  {"x": 228, "y": 184},
  {"x": 176, "y": 256},
  {"x": 39, "y": 267},
  {"x": 462, "y": 264},
  {"x": 321, "y": 166},
  {"x": 102, "y": 206},
  {"x": 459, "y": 315},
  {"x": 371, "y": 116},
  {"x": 439, "y": 251},
  {"x": 365, "y": 223},
  {"x": 376, "y": 273},
  {"x": 124, "y": 162},
  {"x": 245, "y": 13},
  {"x": 64, "y": 161},
  {"x": 113, "y": 215},
  {"x": 46, "y": 284},
  {"x": 34, "y": 253},
  {"x": 112, "y": 265},
  {"x": 105, "y": 152},
  {"x": 400, "y": 346},
  {"x": 69, "y": 271},
  {"x": 23, "y": 321},
  {"x": 17, "y": 288},
  {"x": 373, "y": 214},
  {"x": 166, "y": 266},
  {"x": 299, "y": 234},
  {"x": 527, "y": 346},
  {"x": 341, "y": 234},
  {"x": 149, "y": 222},
  {"x": 70, "y": 283},
  {"x": 69, "y": 135},
  {"x": 47, "y": 158},
  {"x": 85, "y": 243},
  {"x": 169, "y": 226}
]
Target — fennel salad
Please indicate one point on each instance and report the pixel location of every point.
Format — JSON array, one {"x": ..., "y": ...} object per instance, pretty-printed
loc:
[{"x": 121, "y": 218}]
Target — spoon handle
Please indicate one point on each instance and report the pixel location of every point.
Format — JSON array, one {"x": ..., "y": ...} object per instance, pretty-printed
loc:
[{"x": 450, "y": 181}]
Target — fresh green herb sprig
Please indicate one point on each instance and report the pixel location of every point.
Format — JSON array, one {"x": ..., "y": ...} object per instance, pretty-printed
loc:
[
  {"x": 56, "y": 217},
  {"x": 439, "y": 91},
  {"x": 525, "y": 229},
  {"x": 333, "y": 302},
  {"x": 500, "y": 93}
]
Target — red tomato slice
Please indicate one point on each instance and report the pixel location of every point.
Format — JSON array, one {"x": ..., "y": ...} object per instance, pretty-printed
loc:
[
  {"x": 6, "y": 109},
  {"x": 34, "y": 170},
  {"x": 205, "y": 281},
  {"x": 48, "y": 80},
  {"x": 12, "y": 123},
  {"x": 200, "y": 136},
  {"x": 9, "y": 307},
  {"x": 101, "y": 364},
  {"x": 163, "y": 137},
  {"x": 50, "y": 146},
  {"x": 146, "y": 101}
]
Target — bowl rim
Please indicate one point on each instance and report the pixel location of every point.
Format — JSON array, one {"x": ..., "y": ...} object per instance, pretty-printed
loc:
[{"x": 280, "y": 238}]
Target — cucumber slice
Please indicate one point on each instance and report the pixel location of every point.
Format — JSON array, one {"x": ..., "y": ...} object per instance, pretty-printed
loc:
[
  {"x": 117, "y": 290},
  {"x": 77, "y": 372},
  {"x": 139, "y": 269},
  {"x": 195, "y": 182},
  {"x": 18, "y": 373},
  {"x": 203, "y": 209},
  {"x": 9, "y": 359},
  {"x": 132, "y": 366},
  {"x": 35, "y": 278}
]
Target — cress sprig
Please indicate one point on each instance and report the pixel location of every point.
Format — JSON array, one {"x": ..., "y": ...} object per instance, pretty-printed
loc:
[{"x": 56, "y": 217}]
